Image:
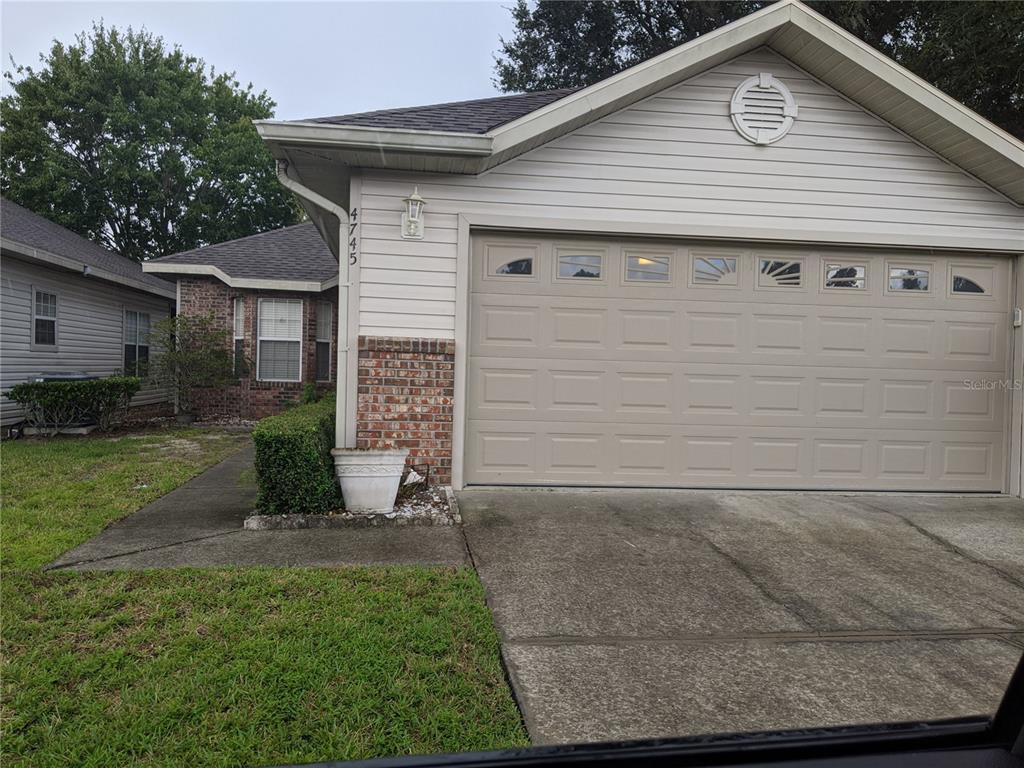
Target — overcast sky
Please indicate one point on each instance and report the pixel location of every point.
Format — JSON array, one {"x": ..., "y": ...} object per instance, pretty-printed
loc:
[{"x": 313, "y": 58}]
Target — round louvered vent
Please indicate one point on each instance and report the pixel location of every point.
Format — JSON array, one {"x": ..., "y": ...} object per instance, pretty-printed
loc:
[{"x": 762, "y": 109}]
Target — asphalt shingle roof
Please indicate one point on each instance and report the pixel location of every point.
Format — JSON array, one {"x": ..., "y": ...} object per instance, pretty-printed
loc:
[
  {"x": 292, "y": 253},
  {"x": 22, "y": 226},
  {"x": 476, "y": 116}
]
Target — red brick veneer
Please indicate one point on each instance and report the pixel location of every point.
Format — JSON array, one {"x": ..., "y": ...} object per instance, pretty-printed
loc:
[
  {"x": 406, "y": 396},
  {"x": 249, "y": 398}
]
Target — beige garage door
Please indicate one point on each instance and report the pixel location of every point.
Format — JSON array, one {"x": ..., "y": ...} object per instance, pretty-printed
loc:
[{"x": 647, "y": 363}]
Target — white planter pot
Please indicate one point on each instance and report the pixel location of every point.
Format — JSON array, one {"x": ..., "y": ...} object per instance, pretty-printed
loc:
[{"x": 369, "y": 479}]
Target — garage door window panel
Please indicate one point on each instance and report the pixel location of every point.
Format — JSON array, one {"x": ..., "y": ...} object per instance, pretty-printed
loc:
[
  {"x": 714, "y": 271},
  {"x": 970, "y": 281},
  {"x": 511, "y": 261},
  {"x": 648, "y": 267},
  {"x": 579, "y": 264},
  {"x": 909, "y": 279},
  {"x": 780, "y": 273},
  {"x": 845, "y": 276}
]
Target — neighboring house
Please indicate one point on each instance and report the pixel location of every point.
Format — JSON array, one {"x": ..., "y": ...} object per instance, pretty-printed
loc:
[
  {"x": 277, "y": 293},
  {"x": 768, "y": 258},
  {"x": 71, "y": 306}
]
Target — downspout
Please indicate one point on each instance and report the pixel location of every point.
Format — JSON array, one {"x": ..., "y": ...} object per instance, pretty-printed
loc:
[{"x": 344, "y": 286}]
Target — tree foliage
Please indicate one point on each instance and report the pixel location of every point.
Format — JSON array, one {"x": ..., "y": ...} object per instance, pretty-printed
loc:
[
  {"x": 139, "y": 146},
  {"x": 973, "y": 51},
  {"x": 194, "y": 352}
]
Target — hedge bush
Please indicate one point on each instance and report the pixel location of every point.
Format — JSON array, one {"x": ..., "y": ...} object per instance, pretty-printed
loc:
[
  {"x": 294, "y": 467},
  {"x": 54, "y": 405}
]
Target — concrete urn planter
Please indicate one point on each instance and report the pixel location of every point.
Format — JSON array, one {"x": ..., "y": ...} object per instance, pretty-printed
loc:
[{"x": 369, "y": 478}]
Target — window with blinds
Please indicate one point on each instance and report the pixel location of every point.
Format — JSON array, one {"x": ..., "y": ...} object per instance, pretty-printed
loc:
[
  {"x": 136, "y": 343},
  {"x": 241, "y": 369},
  {"x": 324, "y": 324},
  {"x": 44, "y": 320},
  {"x": 279, "y": 340}
]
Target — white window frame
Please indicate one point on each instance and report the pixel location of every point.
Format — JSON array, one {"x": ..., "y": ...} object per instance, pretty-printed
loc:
[
  {"x": 124, "y": 341},
  {"x": 830, "y": 263},
  {"x": 329, "y": 341},
  {"x": 569, "y": 251},
  {"x": 236, "y": 334},
  {"x": 669, "y": 256},
  {"x": 927, "y": 266},
  {"x": 708, "y": 255},
  {"x": 761, "y": 279},
  {"x": 260, "y": 338},
  {"x": 56, "y": 321}
]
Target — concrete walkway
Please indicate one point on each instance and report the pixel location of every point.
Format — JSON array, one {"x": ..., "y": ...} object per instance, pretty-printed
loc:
[
  {"x": 200, "y": 525},
  {"x": 639, "y": 614}
]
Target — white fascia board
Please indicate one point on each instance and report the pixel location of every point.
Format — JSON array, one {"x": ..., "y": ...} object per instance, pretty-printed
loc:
[
  {"x": 910, "y": 85},
  {"x": 74, "y": 265},
  {"x": 208, "y": 270},
  {"x": 389, "y": 139},
  {"x": 667, "y": 68}
]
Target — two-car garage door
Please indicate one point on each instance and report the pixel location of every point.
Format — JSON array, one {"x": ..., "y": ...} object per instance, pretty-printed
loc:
[{"x": 652, "y": 363}]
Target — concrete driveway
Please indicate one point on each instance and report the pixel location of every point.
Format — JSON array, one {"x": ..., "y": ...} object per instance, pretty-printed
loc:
[{"x": 633, "y": 614}]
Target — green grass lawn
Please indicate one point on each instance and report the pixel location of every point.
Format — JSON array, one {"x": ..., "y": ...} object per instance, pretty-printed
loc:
[
  {"x": 227, "y": 666},
  {"x": 57, "y": 493}
]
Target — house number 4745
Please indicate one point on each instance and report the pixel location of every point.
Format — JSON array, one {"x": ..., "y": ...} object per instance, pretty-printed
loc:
[{"x": 353, "y": 238}]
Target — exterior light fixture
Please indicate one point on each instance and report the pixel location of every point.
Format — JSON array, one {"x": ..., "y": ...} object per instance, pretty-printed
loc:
[{"x": 412, "y": 216}]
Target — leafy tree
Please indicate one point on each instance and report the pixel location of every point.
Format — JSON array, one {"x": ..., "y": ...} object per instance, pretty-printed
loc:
[
  {"x": 972, "y": 50},
  {"x": 194, "y": 353},
  {"x": 139, "y": 146}
]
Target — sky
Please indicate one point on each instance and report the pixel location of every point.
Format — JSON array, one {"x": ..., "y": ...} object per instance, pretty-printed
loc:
[{"x": 313, "y": 58}]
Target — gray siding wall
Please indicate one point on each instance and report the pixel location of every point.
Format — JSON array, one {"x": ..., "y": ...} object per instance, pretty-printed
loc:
[
  {"x": 840, "y": 174},
  {"x": 90, "y": 317}
]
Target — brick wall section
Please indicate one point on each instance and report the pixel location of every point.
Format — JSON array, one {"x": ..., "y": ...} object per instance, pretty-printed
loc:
[
  {"x": 406, "y": 396},
  {"x": 249, "y": 398},
  {"x": 140, "y": 413}
]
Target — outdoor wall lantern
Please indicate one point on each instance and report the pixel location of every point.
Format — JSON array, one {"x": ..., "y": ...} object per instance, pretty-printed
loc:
[{"x": 412, "y": 216}]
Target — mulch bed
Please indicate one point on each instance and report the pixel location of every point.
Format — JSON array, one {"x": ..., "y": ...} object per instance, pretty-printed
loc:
[{"x": 430, "y": 505}]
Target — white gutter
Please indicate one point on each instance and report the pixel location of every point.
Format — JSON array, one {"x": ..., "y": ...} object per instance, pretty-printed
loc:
[
  {"x": 344, "y": 286},
  {"x": 296, "y": 132},
  {"x": 74, "y": 265}
]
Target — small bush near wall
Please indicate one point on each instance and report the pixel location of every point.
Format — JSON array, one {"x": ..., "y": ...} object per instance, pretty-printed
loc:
[
  {"x": 56, "y": 405},
  {"x": 294, "y": 467}
]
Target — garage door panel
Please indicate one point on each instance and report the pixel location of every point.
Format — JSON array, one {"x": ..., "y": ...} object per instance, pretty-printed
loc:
[
  {"x": 705, "y": 455},
  {"x": 683, "y": 393},
  {"x": 671, "y": 331},
  {"x": 582, "y": 377}
]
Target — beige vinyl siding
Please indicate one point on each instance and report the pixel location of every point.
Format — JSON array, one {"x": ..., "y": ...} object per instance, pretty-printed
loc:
[
  {"x": 676, "y": 158},
  {"x": 90, "y": 316}
]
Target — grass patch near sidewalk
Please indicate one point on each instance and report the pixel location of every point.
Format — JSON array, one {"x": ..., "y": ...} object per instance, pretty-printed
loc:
[
  {"x": 59, "y": 492},
  {"x": 221, "y": 667}
]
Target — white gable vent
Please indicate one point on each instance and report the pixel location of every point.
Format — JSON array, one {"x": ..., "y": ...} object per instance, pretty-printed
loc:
[{"x": 762, "y": 109}]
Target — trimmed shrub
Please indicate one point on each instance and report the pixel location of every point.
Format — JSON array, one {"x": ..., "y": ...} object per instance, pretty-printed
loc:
[
  {"x": 294, "y": 467},
  {"x": 55, "y": 405}
]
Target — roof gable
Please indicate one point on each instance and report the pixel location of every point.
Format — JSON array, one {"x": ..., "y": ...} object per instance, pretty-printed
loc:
[
  {"x": 820, "y": 47},
  {"x": 290, "y": 258},
  {"x": 840, "y": 174}
]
